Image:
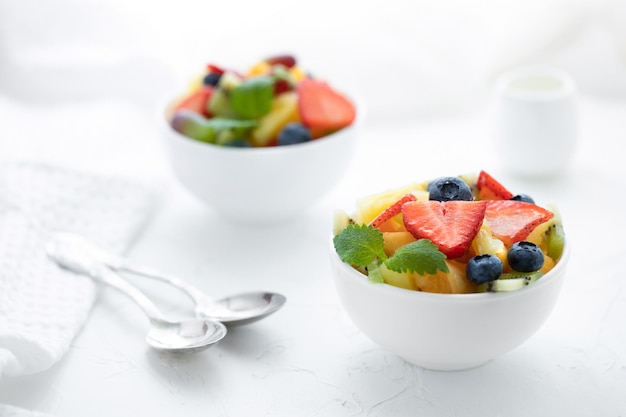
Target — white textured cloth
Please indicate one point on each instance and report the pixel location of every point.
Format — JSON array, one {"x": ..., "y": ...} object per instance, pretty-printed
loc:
[{"x": 43, "y": 307}]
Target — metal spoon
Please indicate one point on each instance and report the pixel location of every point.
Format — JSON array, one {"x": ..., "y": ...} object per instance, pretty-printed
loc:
[
  {"x": 235, "y": 310},
  {"x": 189, "y": 335}
]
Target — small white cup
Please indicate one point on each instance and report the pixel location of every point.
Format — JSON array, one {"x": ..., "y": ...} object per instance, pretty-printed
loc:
[{"x": 537, "y": 122}]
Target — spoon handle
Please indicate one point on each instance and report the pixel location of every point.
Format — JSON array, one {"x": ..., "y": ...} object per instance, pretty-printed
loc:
[
  {"x": 123, "y": 264},
  {"x": 108, "y": 276}
]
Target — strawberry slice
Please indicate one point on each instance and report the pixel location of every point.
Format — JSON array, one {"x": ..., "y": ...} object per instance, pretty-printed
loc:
[
  {"x": 451, "y": 225},
  {"x": 490, "y": 189},
  {"x": 321, "y": 107},
  {"x": 392, "y": 211},
  {"x": 288, "y": 61},
  {"x": 215, "y": 68},
  {"x": 197, "y": 102},
  {"x": 512, "y": 221}
]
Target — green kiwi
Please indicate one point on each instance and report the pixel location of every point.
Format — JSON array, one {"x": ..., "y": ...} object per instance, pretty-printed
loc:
[
  {"x": 220, "y": 104},
  {"x": 510, "y": 281},
  {"x": 555, "y": 237}
]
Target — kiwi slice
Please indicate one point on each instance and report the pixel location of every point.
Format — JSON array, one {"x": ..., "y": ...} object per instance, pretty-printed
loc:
[
  {"x": 555, "y": 238},
  {"x": 220, "y": 105},
  {"x": 510, "y": 281}
]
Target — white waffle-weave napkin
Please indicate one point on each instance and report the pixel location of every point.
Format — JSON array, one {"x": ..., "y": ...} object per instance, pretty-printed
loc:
[{"x": 43, "y": 307}]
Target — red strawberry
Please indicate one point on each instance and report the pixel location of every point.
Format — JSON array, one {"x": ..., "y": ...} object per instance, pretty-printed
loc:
[
  {"x": 282, "y": 86},
  {"x": 321, "y": 107},
  {"x": 490, "y": 189},
  {"x": 392, "y": 211},
  {"x": 196, "y": 101},
  {"x": 512, "y": 221},
  {"x": 288, "y": 61},
  {"x": 214, "y": 68},
  {"x": 451, "y": 225}
]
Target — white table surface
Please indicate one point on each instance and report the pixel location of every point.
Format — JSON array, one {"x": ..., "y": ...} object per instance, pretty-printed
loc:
[{"x": 308, "y": 359}]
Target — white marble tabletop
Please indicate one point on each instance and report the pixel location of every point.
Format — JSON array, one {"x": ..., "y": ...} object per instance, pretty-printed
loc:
[{"x": 308, "y": 358}]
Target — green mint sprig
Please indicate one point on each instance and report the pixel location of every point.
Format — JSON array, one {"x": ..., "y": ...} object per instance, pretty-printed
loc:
[{"x": 363, "y": 245}]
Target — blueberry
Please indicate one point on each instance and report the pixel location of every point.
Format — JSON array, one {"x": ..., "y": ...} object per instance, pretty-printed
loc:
[
  {"x": 212, "y": 78},
  {"x": 294, "y": 133},
  {"x": 523, "y": 197},
  {"x": 483, "y": 268},
  {"x": 525, "y": 257},
  {"x": 449, "y": 189}
]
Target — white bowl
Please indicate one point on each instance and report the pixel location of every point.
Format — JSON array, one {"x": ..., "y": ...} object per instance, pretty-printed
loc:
[
  {"x": 446, "y": 331},
  {"x": 260, "y": 185}
]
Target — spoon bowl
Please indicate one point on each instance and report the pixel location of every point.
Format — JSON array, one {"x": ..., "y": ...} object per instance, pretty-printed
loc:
[
  {"x": 240, "y": 309},
  {"x": 190, "y": 335}
]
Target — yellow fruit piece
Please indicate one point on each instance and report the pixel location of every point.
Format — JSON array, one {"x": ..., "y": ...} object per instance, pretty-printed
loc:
[
  {"x": 398, "y": 279},
  {"x": 395, "y": 240},
  {"x": 260, "y": 68},
  {"x": 453, "y": 282},
  {"x": 486, "y": 244},
  {"x": 471, "y": 179},
  {"x": 297, "y": 73},
  {"x": 284, "y": 110},
  {"x": 548, "y": 264},
  {"x": 195, "y": 84},
  {"x": 369, "y": 207},
  {"x": 538, "y": 235}
]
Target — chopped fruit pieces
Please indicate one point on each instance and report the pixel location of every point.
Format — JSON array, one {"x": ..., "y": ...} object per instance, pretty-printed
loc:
[
  {"x": 322, "y": 107},
  {"x": 284, "y": 111},
  {"x": 396, "y": 240},
  {"x": 451, "y": 225},
  {"x": 512, "y": 221},
  {"x": 392, "y": 211},
  {"x": 368, "y": 207},
  {"x": 453, "y": 282},
  {"x": 197, "y": 102},
  {"x": 490, "y": 189},
  {"x": 287, "y": 61},
  {"x": 487, "y": 243},
  {"x": 271, "y": 94}
]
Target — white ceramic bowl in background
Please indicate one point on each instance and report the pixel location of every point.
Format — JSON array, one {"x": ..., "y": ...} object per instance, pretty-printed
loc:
[
  {"x": 446, "y": 331},
  {"x": 260, "y": 186}
]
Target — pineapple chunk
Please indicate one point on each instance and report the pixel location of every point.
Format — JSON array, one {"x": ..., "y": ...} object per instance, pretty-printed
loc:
[
  {"x": 395, "y": 240},
  {"x": 453, "y": 282},
  {"x": 485, "y": 243},
  {"x": 367, "y": 208},
  {"x": 297, "y": 73},
  {"x": 548, "y": 264},
  {"x": 284, "y": 110},
  {"x": 260, "y": 68},
  {"x": 538, "y": 235}
]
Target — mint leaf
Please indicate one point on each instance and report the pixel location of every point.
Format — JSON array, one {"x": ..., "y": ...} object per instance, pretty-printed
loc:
[
  {"x": 422, "y": 257},
  {"x": 253, "y": 98},
  {"x": 360, "y": 245}
]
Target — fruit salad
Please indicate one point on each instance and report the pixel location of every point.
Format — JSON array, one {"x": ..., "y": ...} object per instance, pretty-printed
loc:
[
  {"x": 274, "y": 103},
  {"x": 458, "y": 234}
]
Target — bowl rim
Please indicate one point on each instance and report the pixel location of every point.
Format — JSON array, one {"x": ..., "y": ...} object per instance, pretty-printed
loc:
[{"x": 547, "y": 279}]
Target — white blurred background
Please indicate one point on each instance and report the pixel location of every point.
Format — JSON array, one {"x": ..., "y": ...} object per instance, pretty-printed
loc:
[{"x": 405, "y": 58}]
